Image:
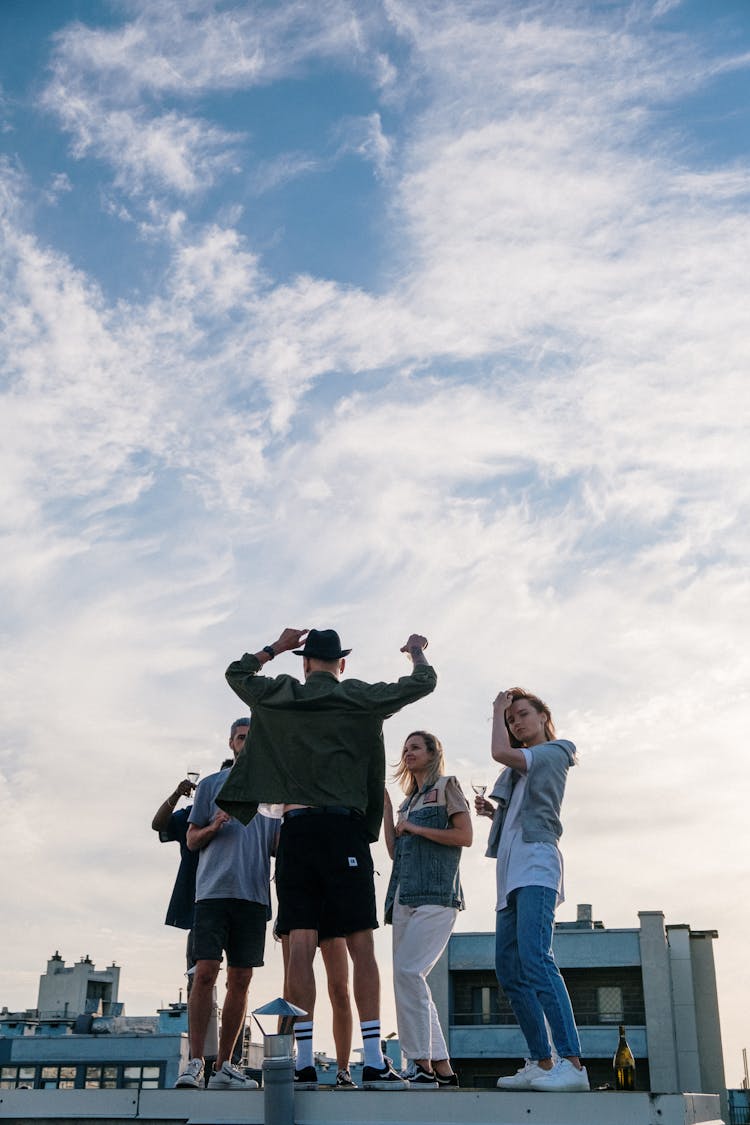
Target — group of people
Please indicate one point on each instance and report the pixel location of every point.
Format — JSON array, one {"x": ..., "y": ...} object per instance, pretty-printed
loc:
[{"x": 315, "y": 747}]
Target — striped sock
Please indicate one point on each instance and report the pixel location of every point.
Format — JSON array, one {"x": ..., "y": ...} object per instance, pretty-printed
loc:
[
  {"x": 303, "y": 1037},
  {"x": 373, "y": 1056}
]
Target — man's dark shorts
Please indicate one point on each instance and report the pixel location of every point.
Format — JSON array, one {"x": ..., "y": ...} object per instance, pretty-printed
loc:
[
  {"x": 324, "y": 876},
  {"x": 230, "y": 925}
]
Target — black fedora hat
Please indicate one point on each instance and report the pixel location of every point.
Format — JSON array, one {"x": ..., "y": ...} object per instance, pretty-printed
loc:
[{"x": 322, "y": 644}]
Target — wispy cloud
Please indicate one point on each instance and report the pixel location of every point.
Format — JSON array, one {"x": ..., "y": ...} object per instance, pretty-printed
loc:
[{"x": 364, "y": 136}]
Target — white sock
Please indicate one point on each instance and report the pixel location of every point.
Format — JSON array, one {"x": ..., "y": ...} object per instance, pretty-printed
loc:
[
  {"x": 303, "y": 1037},
  {"x": 373, "y": 1056}
]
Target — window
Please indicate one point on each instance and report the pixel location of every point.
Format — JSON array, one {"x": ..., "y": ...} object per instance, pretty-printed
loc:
[
  {"x": 141, "y": 1077},
  {"x": 58, "y": 1078},
  {"x": 484, "y": 1004},
  {"x": 609, "y": 1004},
  {"x": 95, "y": 1076},
  {"x": 101, "y": 1078},
  {"x": 11, "y": 1077}
]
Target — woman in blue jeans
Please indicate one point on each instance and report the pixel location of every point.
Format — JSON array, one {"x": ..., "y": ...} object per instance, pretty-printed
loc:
[{"x": 524, "y": 838}]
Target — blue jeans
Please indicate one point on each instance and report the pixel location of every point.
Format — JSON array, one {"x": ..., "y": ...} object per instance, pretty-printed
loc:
[{"x": 527, "y": 971}]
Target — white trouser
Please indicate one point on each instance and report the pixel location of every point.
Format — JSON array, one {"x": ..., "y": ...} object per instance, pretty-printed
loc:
[{"x": 420, "y": 934}]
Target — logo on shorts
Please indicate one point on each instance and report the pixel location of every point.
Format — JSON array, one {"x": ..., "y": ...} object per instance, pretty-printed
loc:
[{"x": 352, "y": 861}]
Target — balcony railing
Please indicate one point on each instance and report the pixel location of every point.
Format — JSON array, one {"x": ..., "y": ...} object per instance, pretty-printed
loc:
[{"x": 631, "y": 1017}]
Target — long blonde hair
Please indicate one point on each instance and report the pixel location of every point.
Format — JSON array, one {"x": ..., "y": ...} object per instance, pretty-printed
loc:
[{"x": 406, "y": 778}]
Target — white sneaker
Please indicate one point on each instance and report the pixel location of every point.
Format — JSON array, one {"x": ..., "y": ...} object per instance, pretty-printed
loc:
[
  {"x": 191, "y": 1076},
  {"x": 523, "y": 1078},
  {"x": 228, "y": 1077},
  {"x": 564, "y": 1078}
]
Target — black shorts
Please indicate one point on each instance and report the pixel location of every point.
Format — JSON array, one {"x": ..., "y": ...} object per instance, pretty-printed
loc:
[
  {"x": 324, "y": 876},
  {"x": 232, "y": 926}
]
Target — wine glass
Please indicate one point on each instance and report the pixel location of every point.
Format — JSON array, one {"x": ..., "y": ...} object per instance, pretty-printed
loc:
[
  {"x": 479, "y": 786},
  {"x": 192, "y": 776}
]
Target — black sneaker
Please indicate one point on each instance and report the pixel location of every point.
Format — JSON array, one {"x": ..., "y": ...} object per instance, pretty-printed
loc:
[
  {"x": 344, "y": 1081},
  {"x": 423, "y": 1079},
  {"x": 382, "y": 1079},
  {"x": 447, "y": 1080},
  {"x": 306, "y": 1079}
]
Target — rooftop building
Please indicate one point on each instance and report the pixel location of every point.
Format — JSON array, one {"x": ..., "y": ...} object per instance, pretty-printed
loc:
[{"x": 659, "y": 980}]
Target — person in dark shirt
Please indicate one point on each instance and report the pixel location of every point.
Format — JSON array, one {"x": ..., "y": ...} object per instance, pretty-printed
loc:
[{"x": 172, "y": 826}]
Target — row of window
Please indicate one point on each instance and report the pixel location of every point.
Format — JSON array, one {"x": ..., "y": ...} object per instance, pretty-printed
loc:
[{"x": 82, "y": 1076}]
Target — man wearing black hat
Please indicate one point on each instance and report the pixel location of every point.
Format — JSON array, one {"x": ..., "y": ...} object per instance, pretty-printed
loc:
[{"x": 317, "y": 748}]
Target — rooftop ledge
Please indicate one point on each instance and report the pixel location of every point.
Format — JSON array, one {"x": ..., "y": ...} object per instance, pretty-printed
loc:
[{"x": 361, "y": 1107}]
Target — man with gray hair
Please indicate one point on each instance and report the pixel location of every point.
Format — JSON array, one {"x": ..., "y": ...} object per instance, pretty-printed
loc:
[{"x": 232, "y": 910}]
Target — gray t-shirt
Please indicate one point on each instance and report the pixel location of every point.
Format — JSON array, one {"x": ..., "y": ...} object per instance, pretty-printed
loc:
[{"x": 237, "y": 862}]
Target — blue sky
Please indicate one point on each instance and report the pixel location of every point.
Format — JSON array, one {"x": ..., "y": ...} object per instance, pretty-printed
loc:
[{"x": 384, "y": 316}]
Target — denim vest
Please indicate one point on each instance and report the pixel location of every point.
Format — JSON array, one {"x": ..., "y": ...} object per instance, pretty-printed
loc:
[{"x": 425, "y": 873}]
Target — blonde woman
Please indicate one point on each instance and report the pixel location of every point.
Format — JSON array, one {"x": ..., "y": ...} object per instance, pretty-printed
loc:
[{"x": 424, "y": 897}]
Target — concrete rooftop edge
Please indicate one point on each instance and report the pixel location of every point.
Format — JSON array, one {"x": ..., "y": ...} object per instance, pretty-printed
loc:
[{"x": 319, "y": 1107}]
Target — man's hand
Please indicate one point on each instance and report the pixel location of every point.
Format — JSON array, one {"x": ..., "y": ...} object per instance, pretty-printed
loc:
[
  {"x": 198, "y": 838},
  {"x": 414, "y": 648},
  {"x": 165, "y": 810},
  {"x": 289, "y": 639}
]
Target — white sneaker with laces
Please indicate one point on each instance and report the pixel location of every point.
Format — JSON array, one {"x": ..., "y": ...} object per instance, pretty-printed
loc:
[
  {"x": 191, "y": 1076},
  {"x": 523, "y": 1078},
  {"x": 564, "y": 1078},
  {"x": 228, "y": 1077}
]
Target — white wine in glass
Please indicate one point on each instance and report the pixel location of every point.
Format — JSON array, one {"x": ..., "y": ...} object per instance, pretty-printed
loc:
[{"x": 479, "y": 787}]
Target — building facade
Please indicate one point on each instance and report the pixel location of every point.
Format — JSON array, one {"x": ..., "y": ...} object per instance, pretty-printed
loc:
[
  {"x": 659, "y": 980},
  {"x": 78, "y": 1038},
  {"x": 77, "y": 989}
]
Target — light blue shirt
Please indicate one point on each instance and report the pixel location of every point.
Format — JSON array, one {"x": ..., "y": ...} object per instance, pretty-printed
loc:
[{"x": 237, "y": 862}]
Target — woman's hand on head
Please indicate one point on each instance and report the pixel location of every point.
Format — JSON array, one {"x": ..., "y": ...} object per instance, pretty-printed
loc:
[{"x": 503, "y": 701}]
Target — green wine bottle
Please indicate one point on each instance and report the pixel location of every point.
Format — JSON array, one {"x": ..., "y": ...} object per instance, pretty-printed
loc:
[{"x": 624, "y": 1064}]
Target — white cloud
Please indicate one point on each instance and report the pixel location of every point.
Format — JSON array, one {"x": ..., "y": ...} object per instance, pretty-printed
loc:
[
  {"x": 171, "y": 151},
  {"x": 100, "y": 77},
  {"x": 185, "y": 49},
  {"x": 270, "y": 174}
]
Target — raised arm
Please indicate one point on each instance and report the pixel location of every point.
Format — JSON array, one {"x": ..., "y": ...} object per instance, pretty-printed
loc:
[
  {"x": 242, "y": 675},
  {"x": 165, "y": 810},
  {"x": 415, "y": 647},
  {"x": 288, "y": 639},
  {"x": 500, "y": 746}
]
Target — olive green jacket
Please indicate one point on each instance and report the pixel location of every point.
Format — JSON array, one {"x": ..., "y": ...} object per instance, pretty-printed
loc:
[{"x": 315, "y": 743}]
